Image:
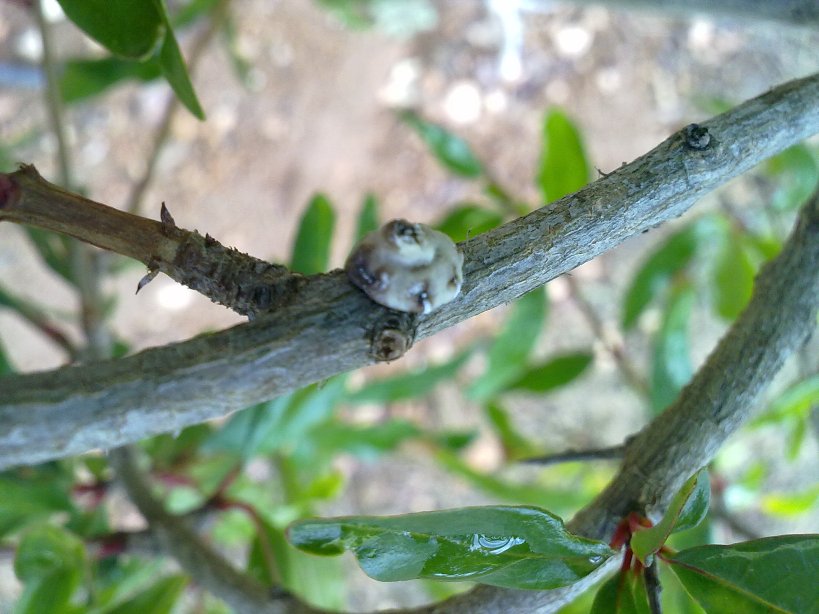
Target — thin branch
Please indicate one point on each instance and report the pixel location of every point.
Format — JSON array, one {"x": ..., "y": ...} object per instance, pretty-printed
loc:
[
  {"x": 613, "y": 346},
  {"x": 653, "y": 587},
  {"x": 204, "y": 565},
  {"x": 568, "y": 456},
  {"x": 794, "y": 12},
  {"x": 39, "y": 320},
  {"x": 325, "y": 326}
]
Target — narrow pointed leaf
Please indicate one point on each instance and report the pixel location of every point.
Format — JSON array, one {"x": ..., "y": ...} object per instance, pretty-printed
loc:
[
  {"x": 552, "y": 374},
  {"x": 733, "y": 277},
  {"x": 687, "y": 509},
  {"x": 367, "y": 217},
  {"x": 311, "y": 252},
  {"x": 563, "y": 166},
  {"x": 773, "y": 574},
  {"x": 671, "y": 367},
  {"x": 129, "y": 28},
  {"x": 81, "y": 79},
  {"x": 159, "y": 598},
  {"x": 624, "y": 593},
  {"x": 514, "y": 547},
  {"x": 468, "y": 221},
  {"x": 176, "y": 73},
  {"x": 453, "y": 152}
]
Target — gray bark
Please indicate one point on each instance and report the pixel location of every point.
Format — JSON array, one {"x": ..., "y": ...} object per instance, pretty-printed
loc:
[{"x": 330, "y": 327}]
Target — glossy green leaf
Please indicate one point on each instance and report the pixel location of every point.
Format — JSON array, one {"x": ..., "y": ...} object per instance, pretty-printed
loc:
[
  {"x": 508, "y": 355},
  {"x": 514, "y": 547},
  {"x": 311, "y": 251},
  {"x": 81, "y": 79},
  {"x": 468, "y": 221},
  {"x": 176, "y": 72},
  {"x": 687, "y": 510},
  {"x": 129, "y": 28},
  {"x": 655, "y": 274},
  {"x": 733, "y": 277},
  {"x": 411, "y": 385},
  {"x": 773, "y": 574},
  {"x": 367, "y": 217},
  {"x": 624, "y": 593},
  {"x": 160, "y": 598},
  {"x": 553, "y": 373},
  {"x": 563, "y": 165},
  {"x": 45, "y": 549},
  {"x": 453, "y": 152},
  {"x": 319, "y": 581},
  {"x": 515, "y": 445},
  {"x": 671, "y": 367}
]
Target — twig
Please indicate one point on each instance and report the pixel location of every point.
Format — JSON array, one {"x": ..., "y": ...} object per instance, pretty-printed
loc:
[
  {"x": 613, "y": 347},
  {"x": 39, "y": 320},
  {"x": 326, "y": 326},
  {"x": 653, "y": 587},
  {"x": 613, "y": 452}
]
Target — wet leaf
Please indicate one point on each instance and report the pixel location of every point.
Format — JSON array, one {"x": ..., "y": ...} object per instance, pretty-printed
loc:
[
  {"x": 655, "y": 275},
  {"x": 408, "y": 385},
  {"x": 508, "y": 355},
  {"x": 671, "y": 367},
  {"x": 129, "y": 28},
  {"x": 514, "y": 547},
  {"x": 773, "y": 574},
  {"x": 554, "y": 373},
  {"x": 687, "y": 510},
  {"x": 311, "y": 252},
  {"x": 564, "y": 168},
  {"x": 453, "y": 152},
  {"x": 467, "y": 221}
]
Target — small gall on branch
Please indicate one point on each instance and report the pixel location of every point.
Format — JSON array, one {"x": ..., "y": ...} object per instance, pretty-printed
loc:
[{"x": 407, "y": 267}]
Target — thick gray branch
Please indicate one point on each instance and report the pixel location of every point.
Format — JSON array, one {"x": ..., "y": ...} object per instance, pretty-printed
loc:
[
  {"x": 329, "y": 326},
  {"x": 797, "y": 12}
]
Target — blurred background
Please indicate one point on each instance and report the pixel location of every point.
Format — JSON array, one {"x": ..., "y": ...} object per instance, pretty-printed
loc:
[{"x": 366, "y": 103}]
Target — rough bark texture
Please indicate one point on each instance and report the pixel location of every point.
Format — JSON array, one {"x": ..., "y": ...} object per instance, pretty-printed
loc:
[
  {"x": 327, "y": 327},
  {"x": 797, "y": 12}
]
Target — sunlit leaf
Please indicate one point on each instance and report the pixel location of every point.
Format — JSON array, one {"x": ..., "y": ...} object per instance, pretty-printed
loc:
[
  {"x": 563, "y": 165},
  {"x": 468, "y": 221},
  {"x": 773, "y": 574},
  {"x": 656, "y": 273},
  {"x": 367, "y": 217},
  {"x": 687, "y": 509},
  {"x": 791, "y": 504},
  {"x": 408, "y": 385},
  {"x": 509, "y": 353},
  {"x": 515, "y": 547},
  {"x": 553, "y": 373},
  {"x": 671, "y": 367},
  {"x": 129, "y": 28},
  {"x": 453, "y": 152},
  {"x": 311, "y": 251}
]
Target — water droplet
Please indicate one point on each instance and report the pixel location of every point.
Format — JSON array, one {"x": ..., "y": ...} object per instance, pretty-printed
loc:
[
  {"x": 595, "y": 559},
  {"x": 494, "y": 545}
]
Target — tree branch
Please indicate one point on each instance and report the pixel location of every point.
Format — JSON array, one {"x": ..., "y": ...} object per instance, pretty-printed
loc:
[
  {"x": 325, "y": 326},
  {"x": 780, "y": 317}
]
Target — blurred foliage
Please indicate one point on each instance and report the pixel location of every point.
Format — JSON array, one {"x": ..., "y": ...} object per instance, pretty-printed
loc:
[{"x": 278, "y": 462}]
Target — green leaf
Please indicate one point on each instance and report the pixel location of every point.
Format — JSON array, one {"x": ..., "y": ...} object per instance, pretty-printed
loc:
[
  {"x": 405, "y": 386},
  {"x": 82, "y": 79},
  {"x": 452, "y": 151},
  {"x": 129, "y": 28},
  {"x": 687, "y": 510},
  {"x": 510, "y": 351},
  {"x": 624, "y": 593},
  {"x": 514, "y": 547},
  {"x": 468, "y": 221},
  {"x": 554, "y": 373},
  {"x": 159, "y": 598},
  {"x": 31, "y": 499},
  {"x": 791, "y": 504},
  {"x": 795, "y": 402},
  {"x": 311, "y": 252},
  {"x": 176, "y": 73},
  {"x": 5, "y": 369},
  {"x": 45, "y": 549},
  {"x": 671, "y": 355},
  {"x": 367, "y": 442},
  {"x": 563, "y": 165},
  {"x": 367, "y": 217},
  {"x": 50, "y": 593},
  {"x": 655, "y": 275},
  {"x": 773, "y": 574},
  {"x": 319, "y": 581},
  {"x": 797, "y": 171},
  {"x": 733, "y": 277},
  {"x": 515, "y": 445}
]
